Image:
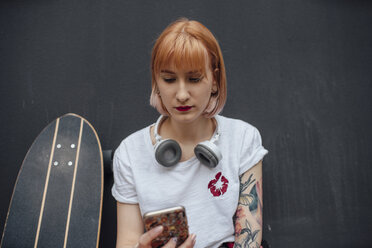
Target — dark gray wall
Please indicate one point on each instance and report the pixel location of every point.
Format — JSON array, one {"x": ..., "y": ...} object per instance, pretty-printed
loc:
[{"x": 299, "y": 70}]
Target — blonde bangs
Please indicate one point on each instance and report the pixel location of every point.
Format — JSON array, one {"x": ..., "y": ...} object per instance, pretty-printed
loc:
[{"x": 182, "y": 51}]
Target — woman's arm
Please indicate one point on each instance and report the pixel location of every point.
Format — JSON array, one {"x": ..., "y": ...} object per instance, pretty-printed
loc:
[
  {"x": 248, "y": 216},
  {"x": 129, "y": 225}
]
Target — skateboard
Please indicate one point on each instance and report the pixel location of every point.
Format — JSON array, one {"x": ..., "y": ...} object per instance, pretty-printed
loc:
[{"x": 57, "y": 199}]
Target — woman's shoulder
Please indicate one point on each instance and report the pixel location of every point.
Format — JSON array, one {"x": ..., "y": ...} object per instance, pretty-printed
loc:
[
  {"x": 234, "y": 125},
  {"x": 136, "y": 139},
  {"x": 239, "y": 132}
]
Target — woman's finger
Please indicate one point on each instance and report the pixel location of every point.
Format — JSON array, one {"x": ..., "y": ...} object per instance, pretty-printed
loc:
[
  {"x": 171, "y": 243},
  {"x": 147, "y": 237}
]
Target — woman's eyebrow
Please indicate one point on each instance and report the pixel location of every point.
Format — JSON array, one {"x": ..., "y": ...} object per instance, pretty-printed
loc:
[
  {"x": 187, "y": 73},
  {"x": 167, "y": 71},
  {"x": 194, "y": 72}
]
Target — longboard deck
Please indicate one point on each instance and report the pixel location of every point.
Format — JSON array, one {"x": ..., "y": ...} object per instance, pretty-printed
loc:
[{"x": 57, "y": 199}]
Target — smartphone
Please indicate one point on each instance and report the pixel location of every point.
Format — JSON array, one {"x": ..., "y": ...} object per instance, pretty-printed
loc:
[{"x": 174, "y": 222}]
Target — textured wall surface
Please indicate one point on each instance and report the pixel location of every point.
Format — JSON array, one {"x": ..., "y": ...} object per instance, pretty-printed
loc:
[{"x": 298, "y": 70}]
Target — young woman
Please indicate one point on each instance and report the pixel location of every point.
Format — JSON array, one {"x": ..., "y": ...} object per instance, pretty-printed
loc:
[{"x": 212, "y": 165}]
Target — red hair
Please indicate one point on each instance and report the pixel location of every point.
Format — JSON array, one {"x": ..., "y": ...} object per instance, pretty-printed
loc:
[{"x": 187, "y": 44}]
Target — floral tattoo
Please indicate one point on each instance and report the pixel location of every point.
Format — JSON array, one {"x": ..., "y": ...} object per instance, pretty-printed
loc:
[{"x": 250, "y": 205}]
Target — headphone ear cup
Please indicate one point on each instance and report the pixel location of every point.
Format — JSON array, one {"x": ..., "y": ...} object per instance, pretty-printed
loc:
[
  {"x": 168, "y": 152},
  {"x": 208, "y": 154}
]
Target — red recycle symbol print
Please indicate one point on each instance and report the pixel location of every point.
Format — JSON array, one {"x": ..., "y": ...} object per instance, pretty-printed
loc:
[{"x": 218, "y": 186}]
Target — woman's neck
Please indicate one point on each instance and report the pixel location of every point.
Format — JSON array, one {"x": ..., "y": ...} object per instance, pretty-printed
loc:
[{"x": 188, "y": 133}]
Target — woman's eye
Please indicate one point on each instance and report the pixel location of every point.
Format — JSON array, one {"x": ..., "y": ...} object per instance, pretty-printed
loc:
[
  {"x": 195, "y": 80},
  {"x": 169, "y": 80}
]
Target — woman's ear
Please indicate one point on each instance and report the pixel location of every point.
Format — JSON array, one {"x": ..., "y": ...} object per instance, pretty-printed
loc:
[
  {"x": 215, "y": 80},
  {"x": 157, "y": 91},
  {"x": 216, "y": 73}
]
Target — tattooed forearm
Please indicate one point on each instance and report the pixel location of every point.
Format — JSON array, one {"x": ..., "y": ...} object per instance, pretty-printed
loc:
[
  {"x": 245, "y": 234},
  {"x": 248, "y": 216}
]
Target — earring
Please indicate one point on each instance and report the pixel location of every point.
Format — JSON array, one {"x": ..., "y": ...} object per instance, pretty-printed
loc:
[{"x": 214, "y": 90}]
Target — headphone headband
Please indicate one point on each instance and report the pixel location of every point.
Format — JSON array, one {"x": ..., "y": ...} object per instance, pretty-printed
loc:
[
  {"x": 156, "y": 134},
  {"x": 161, "y": 118}
]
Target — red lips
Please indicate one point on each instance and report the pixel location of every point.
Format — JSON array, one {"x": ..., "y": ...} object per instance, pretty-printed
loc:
[
  {"x": 183, "y": 108},
  {"x": 221, "y": 190}
]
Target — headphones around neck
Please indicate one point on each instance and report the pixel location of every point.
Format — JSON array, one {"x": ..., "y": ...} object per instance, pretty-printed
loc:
[{"x": 168, "y": 152}]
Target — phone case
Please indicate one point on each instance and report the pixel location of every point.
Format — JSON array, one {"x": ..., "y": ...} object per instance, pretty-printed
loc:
[{"x": 174, "y": 222}]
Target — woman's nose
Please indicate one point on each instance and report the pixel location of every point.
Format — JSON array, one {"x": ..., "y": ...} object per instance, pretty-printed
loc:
[{"x": 182, "y": 92}]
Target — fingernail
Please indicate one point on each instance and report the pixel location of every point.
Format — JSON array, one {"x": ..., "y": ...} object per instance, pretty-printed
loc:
[
  {"x": 158, "y": 229},
  {"x": 193, "y": 238}
]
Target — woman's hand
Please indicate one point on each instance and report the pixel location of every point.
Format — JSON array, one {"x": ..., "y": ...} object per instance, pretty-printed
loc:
[{"x": 147, "y": 237}]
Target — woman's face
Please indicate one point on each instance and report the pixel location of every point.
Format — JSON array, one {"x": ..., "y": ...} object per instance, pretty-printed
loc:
[{"x": 185, "y": 93}]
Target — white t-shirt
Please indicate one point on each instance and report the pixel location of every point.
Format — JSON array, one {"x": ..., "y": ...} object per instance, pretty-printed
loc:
[{"x": 209, "y": 195}]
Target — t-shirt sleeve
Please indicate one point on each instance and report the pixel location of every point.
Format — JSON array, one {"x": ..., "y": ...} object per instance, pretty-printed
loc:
[
  {"x": 252, "y": 150},
  {"x": 123, "y": 189}
]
